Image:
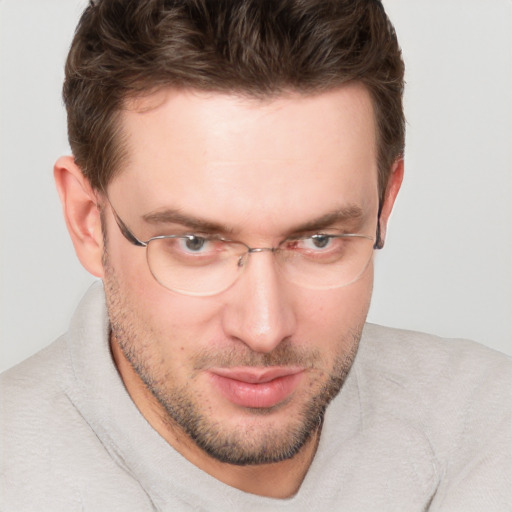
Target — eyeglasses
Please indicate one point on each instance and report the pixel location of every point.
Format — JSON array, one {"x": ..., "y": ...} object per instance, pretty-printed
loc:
[{"x": 204, "y": 265}]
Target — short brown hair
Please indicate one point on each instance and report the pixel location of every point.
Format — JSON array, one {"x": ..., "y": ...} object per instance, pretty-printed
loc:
[{"x": 123, "y": 49}]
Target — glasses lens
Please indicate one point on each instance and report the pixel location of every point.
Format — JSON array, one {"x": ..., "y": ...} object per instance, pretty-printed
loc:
[
  {"x": 326, "y": 262},
  {"x": 194, "y": 265}
]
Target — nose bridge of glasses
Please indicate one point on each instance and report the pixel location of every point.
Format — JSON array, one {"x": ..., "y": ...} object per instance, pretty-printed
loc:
[
  {"x": 261, "y": 249},
  {"x": 243, "y": 259}
]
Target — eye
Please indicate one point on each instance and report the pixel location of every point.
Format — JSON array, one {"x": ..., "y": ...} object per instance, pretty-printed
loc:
[
  {"x": 315, "y": 242},
  {"x": 195, "y": 244},
  {"x": 321, "y": 241},
  {"x": 319, "y": 248}
]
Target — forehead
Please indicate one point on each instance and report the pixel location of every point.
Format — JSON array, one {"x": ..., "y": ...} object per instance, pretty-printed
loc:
[{"x": 223, "y": 156}]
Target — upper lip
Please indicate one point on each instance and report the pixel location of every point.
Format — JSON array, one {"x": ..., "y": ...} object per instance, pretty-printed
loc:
[{"x": 256, "y": 375}]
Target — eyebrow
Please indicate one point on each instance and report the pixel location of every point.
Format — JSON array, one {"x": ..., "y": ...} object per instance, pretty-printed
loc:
[
  {"x": 174, "y": 216},
  {"x": 340, "y": 215}
]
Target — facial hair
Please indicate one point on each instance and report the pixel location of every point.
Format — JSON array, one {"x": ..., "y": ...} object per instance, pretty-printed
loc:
[{"x": 184, "y": 408}]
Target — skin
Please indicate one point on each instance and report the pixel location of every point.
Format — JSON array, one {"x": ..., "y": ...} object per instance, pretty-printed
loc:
[{"x": 259, "y": 169}]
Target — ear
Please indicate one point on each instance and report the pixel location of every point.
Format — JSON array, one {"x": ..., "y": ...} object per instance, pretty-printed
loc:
[
  {"x": 394, "y": 183},
  {"x": 79, "y": 204}
]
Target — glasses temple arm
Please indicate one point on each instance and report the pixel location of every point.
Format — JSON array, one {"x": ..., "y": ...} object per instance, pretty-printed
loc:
[
  {"x": 379, "y": 242},
  {"x": 123, "y": 228}
]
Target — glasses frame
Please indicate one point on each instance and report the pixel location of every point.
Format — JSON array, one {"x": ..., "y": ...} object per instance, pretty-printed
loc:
[{"x": 128, "y": 235}]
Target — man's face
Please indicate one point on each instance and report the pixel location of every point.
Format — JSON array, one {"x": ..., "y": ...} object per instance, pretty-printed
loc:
[{"x": 246, "y": 373}]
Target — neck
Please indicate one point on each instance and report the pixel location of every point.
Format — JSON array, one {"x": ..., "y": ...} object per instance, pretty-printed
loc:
[{"x": 275, "y": 480}]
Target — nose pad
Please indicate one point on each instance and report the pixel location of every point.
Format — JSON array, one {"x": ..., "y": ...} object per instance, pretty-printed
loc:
[{"x": 259, "y": 311}]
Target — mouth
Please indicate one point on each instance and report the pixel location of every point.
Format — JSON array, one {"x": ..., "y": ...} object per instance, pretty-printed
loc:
[{"x": 256, "y": 387}]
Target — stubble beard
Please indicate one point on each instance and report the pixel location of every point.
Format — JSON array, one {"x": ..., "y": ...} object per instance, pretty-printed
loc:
[{"x": 251, "y": 444}]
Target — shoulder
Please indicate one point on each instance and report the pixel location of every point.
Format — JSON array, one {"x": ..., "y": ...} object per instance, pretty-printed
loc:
[
  {"x": 34, "y": 383},
  {"x": 458, "y": 395},
  {"x": 39, "y": 427},
  {"x": 48, "y": 448},
  {"x": 405, "y": 355},
  {"x": 432, "y": 373}
]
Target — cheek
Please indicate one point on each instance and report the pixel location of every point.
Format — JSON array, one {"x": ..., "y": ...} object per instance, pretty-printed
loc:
[
  {"x": 332, "y": 314},
  {"x": 167, "y": 315},
  {"x": 174, "y": 319},
  {"x": 348, "y": 302}
]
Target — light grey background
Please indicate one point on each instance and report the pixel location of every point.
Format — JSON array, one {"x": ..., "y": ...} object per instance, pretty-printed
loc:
[{"x": 447, "y": 265}]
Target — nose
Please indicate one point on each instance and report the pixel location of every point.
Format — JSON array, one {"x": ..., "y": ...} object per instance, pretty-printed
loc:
[{"x": 259, "y": 309}]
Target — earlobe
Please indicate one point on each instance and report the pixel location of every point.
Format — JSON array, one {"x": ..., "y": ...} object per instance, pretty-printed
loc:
[
  {"x": 79, "y": 205},
  {"x": 394, "y": 183}
]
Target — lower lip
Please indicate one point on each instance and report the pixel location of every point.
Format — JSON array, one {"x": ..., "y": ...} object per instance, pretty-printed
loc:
[{"x": 261, "y": 395}]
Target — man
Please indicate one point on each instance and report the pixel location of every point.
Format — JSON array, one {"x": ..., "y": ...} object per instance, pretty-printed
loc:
[{"x": 234, "y": 168}]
